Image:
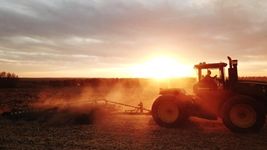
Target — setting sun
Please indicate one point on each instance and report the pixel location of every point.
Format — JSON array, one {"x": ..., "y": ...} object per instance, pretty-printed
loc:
[{"x": 162, "y": 67}]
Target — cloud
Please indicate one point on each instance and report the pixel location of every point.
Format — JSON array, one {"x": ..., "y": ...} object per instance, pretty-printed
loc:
[{"x": 117, "y": 33}]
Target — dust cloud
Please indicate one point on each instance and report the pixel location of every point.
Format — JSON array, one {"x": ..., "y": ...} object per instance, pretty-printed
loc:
[{"x": 86, "y": 104}]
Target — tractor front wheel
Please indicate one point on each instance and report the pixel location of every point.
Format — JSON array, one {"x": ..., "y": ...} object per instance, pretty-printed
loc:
[
  {"x": 167, "y": 111},
  {"x": 243, "y": 114}
]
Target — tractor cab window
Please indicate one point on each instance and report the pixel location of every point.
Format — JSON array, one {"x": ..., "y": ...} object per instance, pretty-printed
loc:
[
  {"x": 206, "y": 74},
  {"x": 208, "y": 78}
]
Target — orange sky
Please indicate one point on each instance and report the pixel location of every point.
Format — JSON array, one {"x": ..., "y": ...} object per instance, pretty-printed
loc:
[{"x": 100, "y": 38}]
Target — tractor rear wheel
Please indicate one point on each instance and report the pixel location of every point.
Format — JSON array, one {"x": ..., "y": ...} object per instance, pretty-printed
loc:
[
  {"x": 243, "y": 114},
  {"x": 167, "y": 111}
]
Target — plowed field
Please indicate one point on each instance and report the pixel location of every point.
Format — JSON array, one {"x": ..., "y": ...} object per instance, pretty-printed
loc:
[{"x": 114, "y": 131}]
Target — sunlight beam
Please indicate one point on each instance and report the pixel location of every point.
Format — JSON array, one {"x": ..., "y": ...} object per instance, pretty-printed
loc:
[{"x": 162, "y": 67}]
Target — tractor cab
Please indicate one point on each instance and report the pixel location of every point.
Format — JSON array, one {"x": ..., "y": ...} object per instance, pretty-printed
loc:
[
  {"x": 216, "y": 77},
  {"x": 210, "y": 76}
]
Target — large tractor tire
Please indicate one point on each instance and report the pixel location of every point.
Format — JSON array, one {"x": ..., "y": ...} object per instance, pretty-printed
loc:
[
  {"x": 242, "y": 114},
  {"x": 168, "y": 111}
]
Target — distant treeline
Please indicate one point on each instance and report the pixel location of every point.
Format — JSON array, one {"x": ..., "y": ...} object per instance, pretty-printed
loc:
[
  {"x": 95, "y": 82},
  {"x": 8, "y": 80},
  {"x": 125, "y": 82},
  {"x": 98, "y": 82},
  {"x": 258, "y": 78}
]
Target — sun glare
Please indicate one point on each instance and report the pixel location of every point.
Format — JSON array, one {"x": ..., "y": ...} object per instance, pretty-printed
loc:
[{"x": 162, "y": 67}]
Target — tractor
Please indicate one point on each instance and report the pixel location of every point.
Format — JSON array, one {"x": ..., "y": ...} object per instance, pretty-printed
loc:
[{"x": 241, "y": 104}]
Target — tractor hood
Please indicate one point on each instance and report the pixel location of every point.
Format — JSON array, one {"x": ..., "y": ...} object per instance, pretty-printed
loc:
[
  {"x": 261, "y": 85},
  {"x": 253, "y": 82},
  {"x": 174, "y": 91}
]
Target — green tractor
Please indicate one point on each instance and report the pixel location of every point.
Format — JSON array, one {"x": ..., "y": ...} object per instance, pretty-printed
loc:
[{"x": 241, "y": 104}]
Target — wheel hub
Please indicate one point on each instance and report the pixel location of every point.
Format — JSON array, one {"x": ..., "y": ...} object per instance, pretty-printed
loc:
[
  {"x": 168, "y": 112},
  {"x": 243, "y": 115}
]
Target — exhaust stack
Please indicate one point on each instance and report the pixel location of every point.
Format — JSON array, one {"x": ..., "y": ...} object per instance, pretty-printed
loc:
[{"x": 232, "y": 72}]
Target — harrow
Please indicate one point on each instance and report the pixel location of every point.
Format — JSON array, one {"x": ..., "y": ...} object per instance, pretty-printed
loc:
[
  {"x": 82, "y": 112},
  {"x": 136, "y": 110}
]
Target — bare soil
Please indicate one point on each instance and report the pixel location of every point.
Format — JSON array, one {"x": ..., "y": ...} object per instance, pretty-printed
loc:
[
  {"x": 114, "y": 131},
  {"x": 126, "y": 132}
]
